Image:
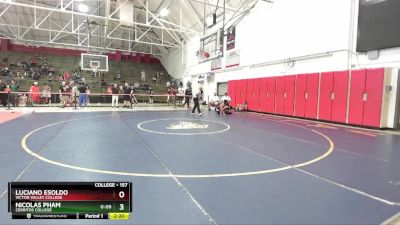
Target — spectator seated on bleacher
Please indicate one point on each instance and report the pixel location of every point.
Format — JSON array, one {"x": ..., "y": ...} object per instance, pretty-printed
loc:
[
  {"x": 118, "y": 77},
  {"x": 19, "y": 75},
  {"x": 5, "y": 71},
  {"x": 24, "y": 65},
  {"x": 66, "y": 76},
  {"x": 36, "y": 75},
  {"x": 33, "y": 61},
  {"x": 50, "y": 77}
]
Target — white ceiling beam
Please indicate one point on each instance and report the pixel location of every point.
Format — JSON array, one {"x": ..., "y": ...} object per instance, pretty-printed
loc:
[
  {"x": 162, "y": 25},
  {"x": 35, "y": 24},
  {"x": 5, "y": 10},
  {"x": 95, "y": 16},
  {"x": 214, "y": 5},
  {"x": 118, "y": 8},
  {"x": 85, "y": 34},
  {"x": 190, "y": 8},
  {"x": 59, "y": 32},
  {"x": 83, "y": 47}
]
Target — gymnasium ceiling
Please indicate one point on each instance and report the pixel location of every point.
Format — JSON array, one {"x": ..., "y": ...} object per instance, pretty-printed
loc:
[{"x": 128, "y": 25}]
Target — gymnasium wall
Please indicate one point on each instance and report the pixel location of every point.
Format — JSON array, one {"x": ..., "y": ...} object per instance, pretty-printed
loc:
[{"x": 318, "y": 35}]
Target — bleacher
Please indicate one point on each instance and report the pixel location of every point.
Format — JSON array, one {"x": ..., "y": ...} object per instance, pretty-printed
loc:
[{"x": 130, "y": 71}]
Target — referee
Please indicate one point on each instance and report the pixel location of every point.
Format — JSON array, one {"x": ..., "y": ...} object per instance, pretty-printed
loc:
[{"x": 196, "y": 100}]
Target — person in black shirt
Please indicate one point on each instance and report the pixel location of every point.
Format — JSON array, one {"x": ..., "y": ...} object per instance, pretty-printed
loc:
[
  {"x": 3, "y": 96},
  {"x": 188, "y": 93},
  {"x": 196, "y": 100},
  {"x": 127, "y": 96},
  {"x": 83, "y": 98},
  {"x": 115, "y": 97}
]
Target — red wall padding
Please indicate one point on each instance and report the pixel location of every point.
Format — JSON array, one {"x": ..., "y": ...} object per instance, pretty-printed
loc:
[
  {"x": 373, "y": 104},
  {"x": 312, "y": 95},
  {"x": 356, "y": 103},
  {"x": 323, "y": 95},
  {"x": 325, "y": 101},
  {"x": 290, "y": 82},
  {"x": 301, "y": 89}
]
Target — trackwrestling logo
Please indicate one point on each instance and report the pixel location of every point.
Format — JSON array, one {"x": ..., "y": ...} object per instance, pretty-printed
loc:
[{"x": 185, "y": 125}]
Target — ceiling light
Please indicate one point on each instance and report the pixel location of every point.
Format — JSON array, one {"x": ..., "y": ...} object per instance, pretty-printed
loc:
[
  {"x": 164, "y": 12},
  {"x": 8, "y": 1},
  {"x": 83, "y": 8}
]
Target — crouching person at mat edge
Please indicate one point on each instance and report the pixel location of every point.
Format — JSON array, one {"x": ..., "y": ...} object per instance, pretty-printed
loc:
[
  {"x": 196, "y": 101},
  {"x": 224, "y": 106},
  {"x": 241, "y": 107},
  {"x": 214, "y": 102}
]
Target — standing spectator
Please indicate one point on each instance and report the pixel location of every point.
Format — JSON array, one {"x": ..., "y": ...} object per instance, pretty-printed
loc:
[
  {"x": 115, "y": 97},
  {"x": 35, "y": 92},
  {"x": 154, "y": 79},
  {"x": 83, "y": 97},
  {"x": 168, "y": 84},
  {"x": 3, "y": 96},
  {"x": 103, "y": 85},
  {"x": 133, "y": 96},
  {"x": 196, "y": 99},
  {"x": 169, "y": 93},
  {"x": 46, "y": 93},
  {"x": 127, "y": 96},
  {"x": 143, "y": 76},
  {"x": 173, "y": 92},
  {"x": 201, "y": 99},
  {"x": 14, "y": 87},
  {"x": 88, "y": 93},
  {"x": 74, "y": 97},
  {"x": 181, "y": 93},
  {"x": 151, "y": 93},
  {"x": 188, "y": 93},
  {"x": 64, "y": 96}
]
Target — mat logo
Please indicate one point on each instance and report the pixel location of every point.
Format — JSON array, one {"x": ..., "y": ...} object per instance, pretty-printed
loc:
[{"x": 186, "y": 125}]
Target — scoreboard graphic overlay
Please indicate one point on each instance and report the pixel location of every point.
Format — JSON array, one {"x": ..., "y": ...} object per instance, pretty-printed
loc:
[{"x": 70, "y": 200}]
